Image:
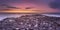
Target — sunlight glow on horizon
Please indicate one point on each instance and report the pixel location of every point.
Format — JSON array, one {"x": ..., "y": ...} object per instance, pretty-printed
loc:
[{"x": 19, "y": 11}]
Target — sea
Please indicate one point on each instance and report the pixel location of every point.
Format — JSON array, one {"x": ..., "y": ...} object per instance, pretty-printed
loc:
[{"x": 3, "y": 16}]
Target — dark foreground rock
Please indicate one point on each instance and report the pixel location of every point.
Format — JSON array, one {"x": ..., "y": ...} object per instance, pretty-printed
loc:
[{"x": 31, "y": 22}]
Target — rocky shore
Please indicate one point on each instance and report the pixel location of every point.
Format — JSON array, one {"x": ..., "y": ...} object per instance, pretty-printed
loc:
[{"x": 31, "y": 22}]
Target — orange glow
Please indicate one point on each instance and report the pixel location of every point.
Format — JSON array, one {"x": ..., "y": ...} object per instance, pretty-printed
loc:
[
  {"x": 27, "y": 11},
  {"x": 19, "y": 11}
]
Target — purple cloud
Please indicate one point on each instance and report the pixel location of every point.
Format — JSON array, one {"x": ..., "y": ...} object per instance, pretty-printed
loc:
[{"x": 55, "y": 4}]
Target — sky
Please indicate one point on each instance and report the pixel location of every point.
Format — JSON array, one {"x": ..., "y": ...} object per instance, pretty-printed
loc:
[{"x": 44, "y": 6}]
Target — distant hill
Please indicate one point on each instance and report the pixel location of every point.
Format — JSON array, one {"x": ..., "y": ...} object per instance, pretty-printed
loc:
[{"x": 31, "y": 22}]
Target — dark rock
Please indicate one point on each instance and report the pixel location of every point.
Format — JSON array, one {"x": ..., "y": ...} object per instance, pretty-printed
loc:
[{"x": 30, "y": 22}]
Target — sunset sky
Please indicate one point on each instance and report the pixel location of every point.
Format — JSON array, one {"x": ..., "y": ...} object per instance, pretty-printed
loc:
[{"x": 43, "y": 6}]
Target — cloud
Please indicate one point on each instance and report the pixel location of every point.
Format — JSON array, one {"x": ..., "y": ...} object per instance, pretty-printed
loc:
[
  {"x": 7, "y": 7},
  {"x": 55, "y": 4},
  {"x": 29, "y": 7}
]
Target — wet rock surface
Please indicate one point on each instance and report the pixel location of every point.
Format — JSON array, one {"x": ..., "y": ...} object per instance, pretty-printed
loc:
[{"x": 31, "y": 22}]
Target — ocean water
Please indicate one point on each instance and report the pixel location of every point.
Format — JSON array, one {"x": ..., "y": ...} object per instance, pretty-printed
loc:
[
  {"x": 52, "y": 15},
  {"x": 3, "y": 16}
]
